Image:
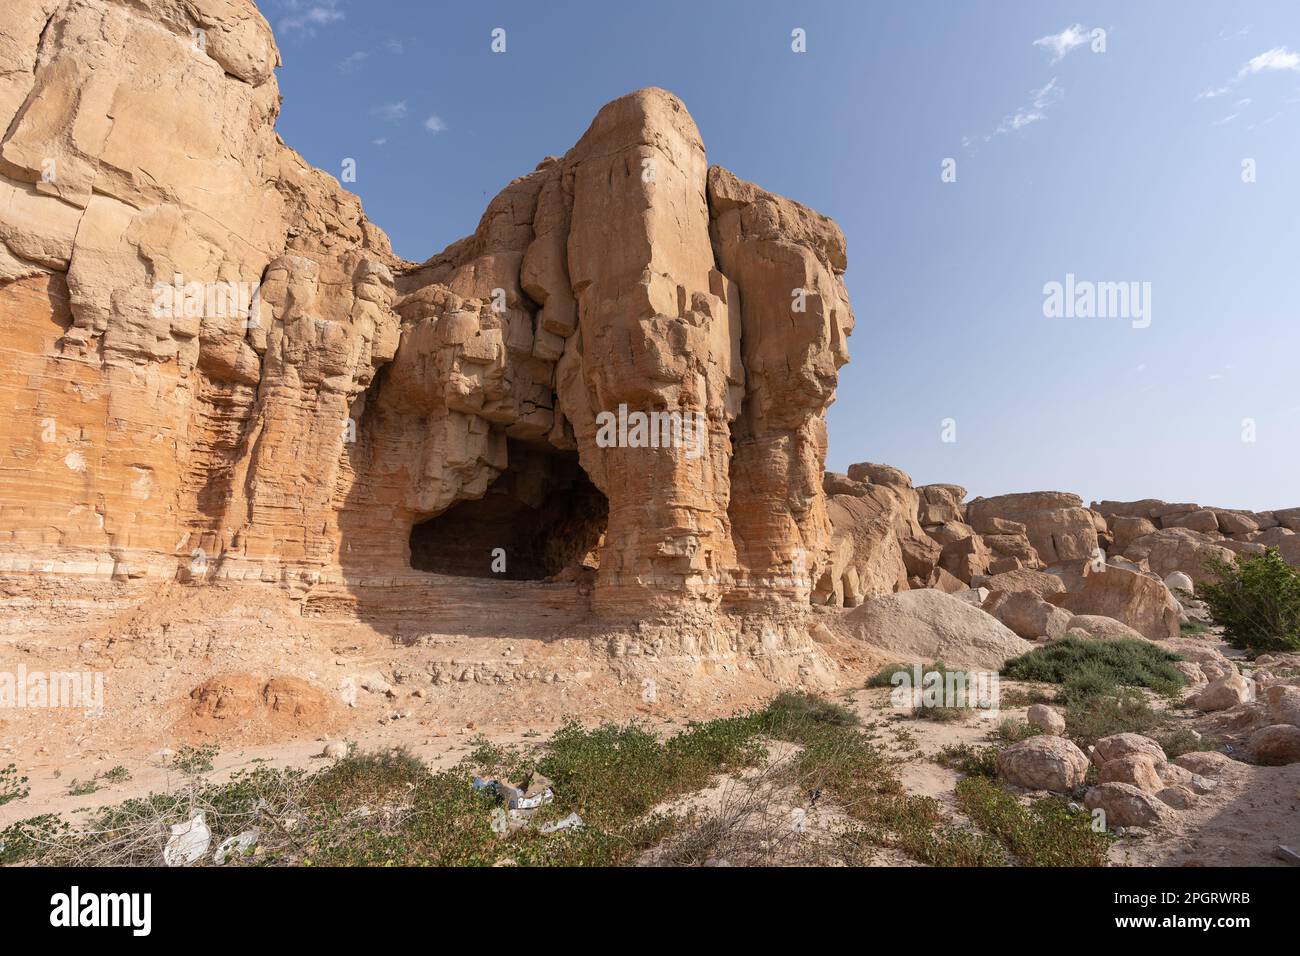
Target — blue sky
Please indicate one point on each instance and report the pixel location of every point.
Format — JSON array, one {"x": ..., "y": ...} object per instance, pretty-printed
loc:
[{"x": 1122, "y": 165}]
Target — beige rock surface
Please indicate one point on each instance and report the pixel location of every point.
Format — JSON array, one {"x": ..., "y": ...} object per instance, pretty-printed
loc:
[
  {"x": 159, "y": 432},
  {"x": 934, "y": 626},
  {"x": 1126, "y": 805},
  {"x": 1276, "y": 745},
  {"x": 1028, "y": 615},
  {"x": 1043, "y": 763},
  {"x": 1057, "y": 524},
  {"x": 1130, "y": 597}
]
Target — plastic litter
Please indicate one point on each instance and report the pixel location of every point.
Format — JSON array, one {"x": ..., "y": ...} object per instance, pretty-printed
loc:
[
  {"x": 533, "y": 802},
  {"x": 235, "y": 846},
  {"x": 571, "y": 822},
  {"x": 503, "y": 791},
  {"x": 188, "y": 842}
]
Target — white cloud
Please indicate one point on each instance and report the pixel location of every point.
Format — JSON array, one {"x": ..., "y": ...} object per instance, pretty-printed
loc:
[
  {"x": 391, "y": 112},
  {"x": 1036, "y": 109},
  {"x": 305, "y": 17},
  {"x": 434, "y": 124},
  {"x": 381, "y": 141},
  {"x": 1071, "y": 38},
  {"x": 352, "y": 62},
  {"x": 1278, "y": 58}
]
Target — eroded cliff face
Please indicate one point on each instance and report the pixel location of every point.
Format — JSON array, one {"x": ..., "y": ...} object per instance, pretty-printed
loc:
[
  {"x": 349, "y": 415},
  {"x": 190, "y": 307}
]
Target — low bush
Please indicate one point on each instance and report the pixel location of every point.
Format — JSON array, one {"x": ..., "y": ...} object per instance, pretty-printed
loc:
[
  {"x": 1046, "y": 833},
  {"x": 1256, "y": 599},
  {"x": 1084, "y": 662}
]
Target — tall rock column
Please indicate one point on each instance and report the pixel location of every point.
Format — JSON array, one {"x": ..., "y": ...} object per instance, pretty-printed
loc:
[
  {"x": 788, "y": 263},
  {"x": 656, "y": 333}
]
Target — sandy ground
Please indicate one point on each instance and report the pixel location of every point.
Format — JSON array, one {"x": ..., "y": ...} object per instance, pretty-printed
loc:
[{"x": 412, "y": 680}]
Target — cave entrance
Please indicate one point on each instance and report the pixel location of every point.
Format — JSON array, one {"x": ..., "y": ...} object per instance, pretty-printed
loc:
[{"x": 543, "y": 512}]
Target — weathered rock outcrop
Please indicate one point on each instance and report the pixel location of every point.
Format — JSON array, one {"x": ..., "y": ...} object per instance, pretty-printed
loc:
[
  {"x": 216, "y": 367},
  {"x": 934, "y": 626},
  {"x": 1180, "y": 537},
  {"x": 191, "y": 308},
  {"x": 1056, "y": 523},
  {"x": 1130, "y": 597}
]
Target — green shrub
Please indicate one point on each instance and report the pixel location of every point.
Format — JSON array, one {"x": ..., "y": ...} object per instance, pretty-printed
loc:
[
  {"x": 12, "y": 786},
  {"x": 1088, "y": 662},
  {"x": 1256, "y": 600},
  {"x": 973, "y": 761},
  {"x": 1014, "y": 731},
  {"x": 1047, "y": 833},
  {"x": 884, "y": 677},
  {"x": 1089, "y": 719},
  {"x": 613, "y": 774},
  {"x": 790, "y": 710},
  {"x": 1176, "y": 741}
]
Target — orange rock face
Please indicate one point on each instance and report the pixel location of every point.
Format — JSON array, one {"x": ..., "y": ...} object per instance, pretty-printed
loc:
[{"x": 215, "y": 367}]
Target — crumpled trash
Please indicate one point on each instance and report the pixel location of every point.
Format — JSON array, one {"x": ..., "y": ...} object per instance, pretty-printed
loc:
[
  {"x": 235, "y": 846},
  {"x": 533, "y": 802},
  {"x": 521, "y": 802},
  {"x": 188, "y": 842},
  {"x": 503, "y": 791},
  {"x": 571, "y": 822}
]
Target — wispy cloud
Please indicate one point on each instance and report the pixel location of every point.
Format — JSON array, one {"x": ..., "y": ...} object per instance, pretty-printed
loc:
[
  {"x": 1237, "y": 108},
  {"x": 352, "y": 62},
  {"x": 305, "y": 16},
  {"x": 390, "y": 112},
  {"x": 1060, "y": 44},
  {"x": 1041, "y": 100},
  {"x": 434, "y": 124},
  {"x": 1278, "y": 59}
]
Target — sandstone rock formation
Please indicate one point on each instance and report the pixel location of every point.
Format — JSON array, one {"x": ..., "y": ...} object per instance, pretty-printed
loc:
[
  {"x": 216, "y": 367},
  {"x": 192, "y": 308},
  {"x": 930, "y": 625},
  {"x": 1125, "y": 805},
  {"x": 1130, "y": 597}
]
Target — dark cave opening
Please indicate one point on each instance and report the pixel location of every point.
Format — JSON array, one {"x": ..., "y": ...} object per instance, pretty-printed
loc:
[{"x": 541, "y": 516}]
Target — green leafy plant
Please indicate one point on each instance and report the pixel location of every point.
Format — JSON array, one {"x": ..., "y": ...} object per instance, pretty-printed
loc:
[
  {"x": 1090, "y": 718},
  {"x": 1046, "y": 833},
  {"x": 83, "y": 788},
  {"x": 1256, "y": 599},
  {"x": 970, "y": 760},
  {"x": 1101, "y": 664},
  {"x": 1014, "y": 731},
  {"x": 12, "y": 786},
  {"x": 194, "y": 761}
]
